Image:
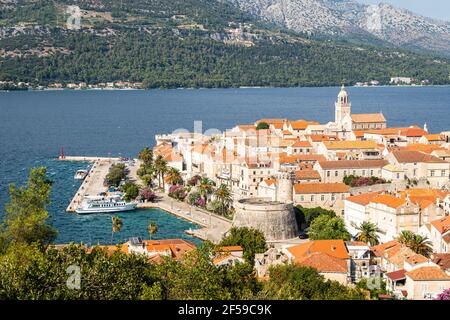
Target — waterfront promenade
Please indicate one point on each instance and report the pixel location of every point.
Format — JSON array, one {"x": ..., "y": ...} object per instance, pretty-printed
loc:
[{"x": 214, "y": 227}]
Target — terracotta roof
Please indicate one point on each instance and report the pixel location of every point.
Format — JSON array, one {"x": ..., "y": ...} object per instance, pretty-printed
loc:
[
  {"x": 297, "y": 158},
  {"x": 388, "y": 200},
  {"x": 413, "y": 132},
  {"x": 230, "y": 248},
  {"x": 312, "y": 188},
  {"x": 406, "y": 156},
  {"x": 302, "y": 124},
  {"x": 408, "y": 132},
  {"x": 334, "y": 248},
  {"x": 304, "y": 144},
  {"x": 321, "y": 137},
  {"x": 345, "y": 145},
  {"x": 428, "y": 273},
  {"x": 425, "y": 148},
  {"x": 369, "y": 117},
  {"x": 363, "y": 199},
  {"x": 434, "y": 137},
  {"x": 270, "y": 181},
  {"x": 307, "y": 175},
  {"x": 442, "y": 260},
  {"x": 353, "y": 164},
  {"x": 323, "y": 262},
  {"x": 177, "y": 247},
  {"x": 380, "y": 249},
  {"x": 442, "y": 225},
  {"x": 396, "y": 275}
]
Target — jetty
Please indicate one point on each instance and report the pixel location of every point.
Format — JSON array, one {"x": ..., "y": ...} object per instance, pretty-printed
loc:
[{"x": 93, "y": 183}]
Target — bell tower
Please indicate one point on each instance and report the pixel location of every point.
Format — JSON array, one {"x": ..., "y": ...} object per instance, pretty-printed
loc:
[{"x": 343, "y": 110}]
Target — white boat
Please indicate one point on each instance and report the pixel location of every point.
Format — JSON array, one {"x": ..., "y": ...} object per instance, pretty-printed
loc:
[
  {"x": 81, "y": 174},
  {"x": 99, "y": 204}
]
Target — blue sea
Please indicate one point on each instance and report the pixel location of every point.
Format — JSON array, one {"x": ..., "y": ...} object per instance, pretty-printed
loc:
[{"x": 34, "y": 126}]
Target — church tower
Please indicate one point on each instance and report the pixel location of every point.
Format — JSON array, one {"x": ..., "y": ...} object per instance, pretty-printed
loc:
[{"x": 343, "y": 111}]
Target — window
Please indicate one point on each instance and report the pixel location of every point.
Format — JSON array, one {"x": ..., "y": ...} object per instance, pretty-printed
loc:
[
  {"x": 336, "y": 173},
  {"x": 328, "y": 173},
  {"x": 364, "y": 172},
  {"x": 333, "y": 197},
  {"x": 322, "y": 197},
  {"x": 432, "y": 173},
  {"x": 443, "y": 173},
  {"x": 302, "y": 198},
  {"x": 312, "y": 198}
]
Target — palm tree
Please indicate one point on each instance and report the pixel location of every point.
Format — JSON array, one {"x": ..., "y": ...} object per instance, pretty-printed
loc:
[
  {"x": 367, "y": 233},
  {"x": 146, "y": 155},
  {"x": 116, "y": 226},
  {"x": 406, "y": 237},
  {"x": 206, "y": 187},
  {"x": 161, "y": 169},
  {"x": 223, "y": 194},
  {"x": 417, "y": 243},
  {"x": 174, "y": 176},
  {"x": 152, "y": 229}
]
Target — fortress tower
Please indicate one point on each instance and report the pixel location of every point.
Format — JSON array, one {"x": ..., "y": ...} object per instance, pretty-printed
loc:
[{"x": 284, "y": 191}]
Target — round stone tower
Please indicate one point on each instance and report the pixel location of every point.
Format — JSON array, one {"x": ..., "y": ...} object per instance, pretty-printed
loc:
[
  {"x": 285, "y": 187},
  {"x": 275, "y": 219}
]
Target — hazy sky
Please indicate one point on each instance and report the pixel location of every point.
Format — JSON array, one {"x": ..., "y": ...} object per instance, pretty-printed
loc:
[{"x": 439, "y": 9}]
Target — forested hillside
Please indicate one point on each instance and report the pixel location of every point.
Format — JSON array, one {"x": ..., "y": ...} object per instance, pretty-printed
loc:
[{"x": 184, "y": 43}]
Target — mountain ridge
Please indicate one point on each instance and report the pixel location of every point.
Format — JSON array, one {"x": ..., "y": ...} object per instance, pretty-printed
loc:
[{"x": 397, "y": 26}]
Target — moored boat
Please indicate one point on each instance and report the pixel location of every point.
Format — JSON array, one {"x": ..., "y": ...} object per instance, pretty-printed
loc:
[
  {"x": 81, "y": 174},
  {"x": 102, "y": 204}
]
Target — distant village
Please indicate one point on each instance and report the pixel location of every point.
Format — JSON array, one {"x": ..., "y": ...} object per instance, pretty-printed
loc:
[{"x": 393, "y": 178}]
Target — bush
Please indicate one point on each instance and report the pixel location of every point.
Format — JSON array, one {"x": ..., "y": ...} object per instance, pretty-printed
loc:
[
  {"x": 193, "y": 197},
  {"x": 177, "y": 192},
  {"x": 131, "y": 191},
  {"x": 116, "y": 174},
  {"x": 148, "y": 194}
]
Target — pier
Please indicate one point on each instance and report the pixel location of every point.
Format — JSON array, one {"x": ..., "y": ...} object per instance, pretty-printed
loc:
[{"x": 93, "y": 183}]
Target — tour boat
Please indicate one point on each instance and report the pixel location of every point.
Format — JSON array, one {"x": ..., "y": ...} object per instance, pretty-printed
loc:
[
  {"x": 101, "y": 204},
  {"x": 81, "y": 174}
]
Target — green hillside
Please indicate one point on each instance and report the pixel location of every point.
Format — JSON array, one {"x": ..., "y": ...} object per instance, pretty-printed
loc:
[{"x": 184, "y": 43}]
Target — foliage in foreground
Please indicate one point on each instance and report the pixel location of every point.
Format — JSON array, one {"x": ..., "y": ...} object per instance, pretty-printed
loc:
[{"x": 31, "y": 270}]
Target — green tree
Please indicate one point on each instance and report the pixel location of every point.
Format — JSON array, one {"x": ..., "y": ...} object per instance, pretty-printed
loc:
[
  {"x": 116, "y": 174},
  {"x": 116, "y": 226},
  {"x": 307, "y": 215},
  {"x": 367, "y": 232},
  {"x": 251, "y": 240},
  {"x": 416, "y": 242},
  {"x": 223, "y": 195},
  {"x": 262, "y": 126},
  {"x": 26, "y": 215},
  {"x": 160, "y": 169},
  {"x": 174, "y": 176},
  {"x": 146, "y": 156},
  {"x": 152, "y": 229},
  {"x": 131, "y": 191},
  {"x": 205, "y": 188},
  {"x": 293, "y": 282},
  {"x": 325, "y": 227}
]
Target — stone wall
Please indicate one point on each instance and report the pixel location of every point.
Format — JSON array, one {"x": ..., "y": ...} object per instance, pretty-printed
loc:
[{"x": 276, "y": 220}]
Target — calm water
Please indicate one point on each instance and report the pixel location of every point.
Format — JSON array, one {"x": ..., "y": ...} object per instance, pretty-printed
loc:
[{"x": 34, "y": 125}]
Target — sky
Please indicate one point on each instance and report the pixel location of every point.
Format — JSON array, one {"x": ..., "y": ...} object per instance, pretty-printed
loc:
[{"x": 439, "y": 9}]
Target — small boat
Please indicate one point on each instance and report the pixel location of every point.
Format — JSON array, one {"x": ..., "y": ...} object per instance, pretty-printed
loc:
[
  {"x": 101, "y": 204},
  {"x": 81, "y": 174}
]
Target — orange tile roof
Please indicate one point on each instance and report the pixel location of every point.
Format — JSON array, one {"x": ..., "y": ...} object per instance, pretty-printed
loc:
[
  {"x": 426, "y": 148},
  {"x": 405, "y": 156},
  {"x": 434, "y": 137},
  {"x": 177, "y": 247},
  {"x": 346, "y": 145},
  {"x": 302, "y": 124},
  {"x": 307, "y": 174},
  {"x": 353, "y": 164},
  {"x": 323, "y": 262},
  {"x": 442, "y": 225},
  {"x": 270, "y": 181},
  {"x": 428, "y": 273},
  {"x": 389, "y": 200},
  {"x": 369, "y": 117},
  {"x": 442, "y": 260},
  {"x": 321, "y": 137},
  {"x": 363, "y": 199},
  {"x": 317, "y": 188},
  {"x": 231, "y": 248},
  {"x": 304, "y": 144},
  {"x": 380, "y": 249},
  {"x": 334, "y": 248}
]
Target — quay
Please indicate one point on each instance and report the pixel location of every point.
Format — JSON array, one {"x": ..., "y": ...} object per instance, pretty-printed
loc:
[
  {"x": 93, "y": 183},
  {"x": 87, "y": 159},
  {"x": 214, "y": 227}
]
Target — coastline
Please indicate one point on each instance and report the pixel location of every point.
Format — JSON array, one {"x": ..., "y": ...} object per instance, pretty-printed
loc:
[{"x": 224, "y": 88}]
